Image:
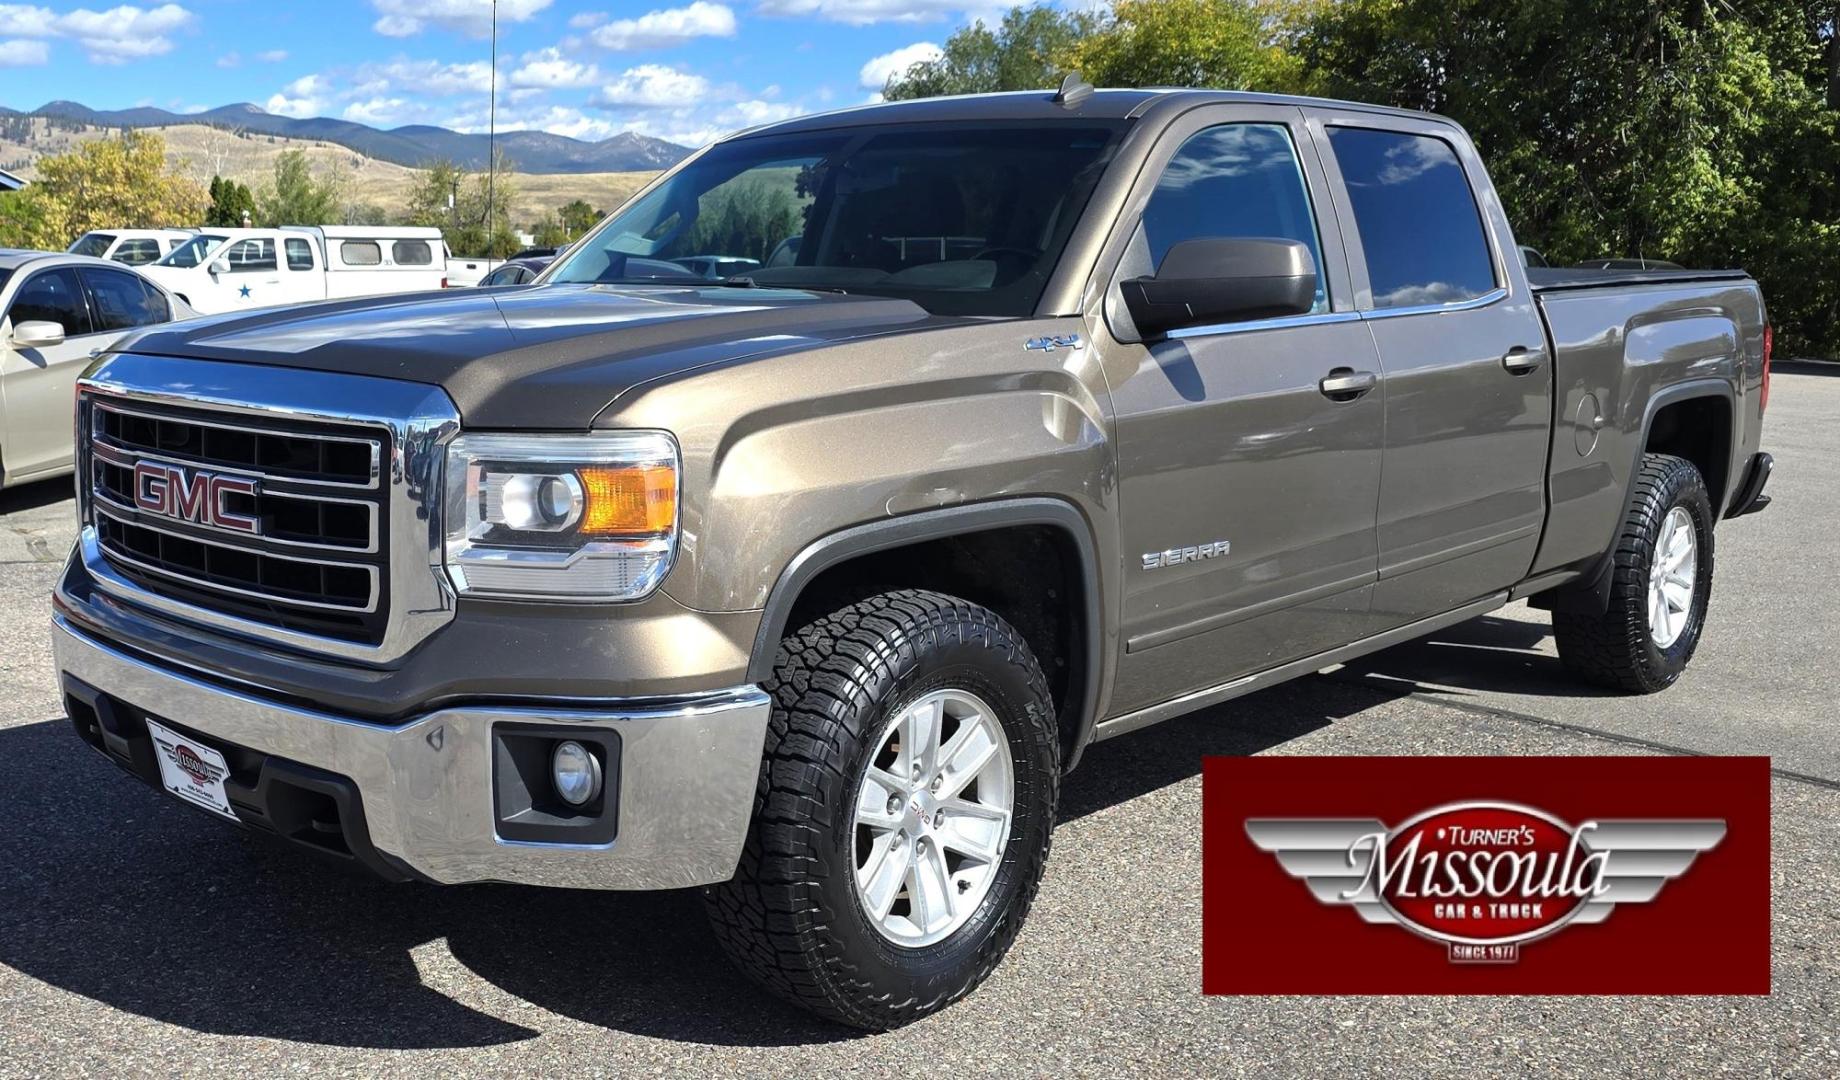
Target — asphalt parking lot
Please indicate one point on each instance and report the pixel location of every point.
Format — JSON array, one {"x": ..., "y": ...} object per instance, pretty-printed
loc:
[{"x": 136, "y": 936}]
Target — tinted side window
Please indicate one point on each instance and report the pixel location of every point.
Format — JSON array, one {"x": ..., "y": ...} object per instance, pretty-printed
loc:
[
  {"x": 122, "y": 301},
  {"x": 137, "y": 252},
  {"x": 53, "y": 296},
  {"x": 1235, "y": 180},
  {"x": 1417, "y": 217},
  {"x": 249, "y": 256},
  {"x": 299, "y": 254},
  {"x": 411, "y": 253}
]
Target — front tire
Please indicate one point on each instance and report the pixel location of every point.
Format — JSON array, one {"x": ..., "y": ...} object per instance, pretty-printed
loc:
[
  {"x": 905, "y": 807},
  {"x": 1660, "y": 586}
]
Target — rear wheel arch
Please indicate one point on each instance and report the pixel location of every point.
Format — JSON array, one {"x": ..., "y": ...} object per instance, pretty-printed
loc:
[
  {"x": 930, "y": 550},
  {"x": 1693, "y": 420}
]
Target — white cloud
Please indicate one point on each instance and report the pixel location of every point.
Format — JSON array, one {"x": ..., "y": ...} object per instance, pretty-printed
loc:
[
  {"x": 549, "y": 68},
  {"x": 421, "y": 77},
  {"x": 272, "y": 56},
  {"x": 864, "y": 12},
  {"x": 375, "y": 110},
  {"x": 114, "y": 36},
  {"x": 23, "y": 53},
  {"x": 876, "y": 73},
  {"x": 230, "y": 60},
  {"x": 305, "y": 96},
  {"x": 667, "y": 27},
  {"x": 403, "y": 18},
  {"x": 588, "y": 19},
  {"x": 653, "y": 86}
]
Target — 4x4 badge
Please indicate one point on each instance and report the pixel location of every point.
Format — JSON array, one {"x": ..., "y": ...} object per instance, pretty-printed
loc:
[{"x": 1053, "y": 342}]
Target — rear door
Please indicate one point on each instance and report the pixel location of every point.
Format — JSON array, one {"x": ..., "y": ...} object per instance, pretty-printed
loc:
[
  {"x": 1467, "y": 379},
  {"x": 1230, "y": 453},
  {"x": 303, "y": 278},
  {"x": 40, "y": 382}
]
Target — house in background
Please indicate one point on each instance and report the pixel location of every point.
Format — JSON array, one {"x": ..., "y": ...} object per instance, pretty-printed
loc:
[{"x": 9, "y": 182}]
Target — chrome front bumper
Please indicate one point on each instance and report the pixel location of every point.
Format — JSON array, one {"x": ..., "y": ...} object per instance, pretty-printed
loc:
[{"x": 687, "y": 775}]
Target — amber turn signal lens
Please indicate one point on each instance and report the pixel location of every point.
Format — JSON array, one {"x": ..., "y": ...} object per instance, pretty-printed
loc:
[{"x": 629, "y": 499}]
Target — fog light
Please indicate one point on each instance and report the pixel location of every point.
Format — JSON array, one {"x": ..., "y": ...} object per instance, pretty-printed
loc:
[{"x": 575, "y": 772}]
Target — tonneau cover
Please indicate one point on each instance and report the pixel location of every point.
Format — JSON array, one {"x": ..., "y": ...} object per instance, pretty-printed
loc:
[{"x": 1557, "y": 279}]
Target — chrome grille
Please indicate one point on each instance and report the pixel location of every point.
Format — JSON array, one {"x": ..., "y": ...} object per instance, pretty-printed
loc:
[
  {"x": 323, "y": 491},
  {"x": 315, "y": 564}
]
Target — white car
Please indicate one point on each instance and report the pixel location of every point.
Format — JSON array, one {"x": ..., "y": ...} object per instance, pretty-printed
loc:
[
  {"x": 134, "y": 247},
  {"x": 223, "y": 270},
  {"x": 57, "y": 312}
]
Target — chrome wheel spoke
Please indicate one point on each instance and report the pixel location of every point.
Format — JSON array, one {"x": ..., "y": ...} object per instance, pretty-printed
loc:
[
  {"x": 1672, "y": 578},
  {"x": 973, "y": 747},
  {"x": 920, "y": 736},
  {"x": 881, "y": 879}
]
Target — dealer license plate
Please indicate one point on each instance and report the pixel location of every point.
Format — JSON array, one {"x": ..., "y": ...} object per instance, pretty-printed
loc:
[{"x": 191, "y": 770}]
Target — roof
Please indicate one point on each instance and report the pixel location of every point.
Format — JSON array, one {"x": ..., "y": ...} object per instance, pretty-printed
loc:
[
  {"x": 1040, "y": 105},
  {"x": 14, "y": 258},
  {"x": 9, "y": 182}
]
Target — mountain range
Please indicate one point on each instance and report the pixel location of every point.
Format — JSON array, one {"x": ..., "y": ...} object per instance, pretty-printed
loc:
[{"x": 415, "y": 146}]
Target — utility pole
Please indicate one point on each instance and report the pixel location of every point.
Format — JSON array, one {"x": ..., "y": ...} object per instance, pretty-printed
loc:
[{"x": 492, "y": 134}]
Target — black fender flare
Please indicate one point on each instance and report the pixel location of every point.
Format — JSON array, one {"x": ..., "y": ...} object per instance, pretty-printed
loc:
[{"x": 896, "y": 532}]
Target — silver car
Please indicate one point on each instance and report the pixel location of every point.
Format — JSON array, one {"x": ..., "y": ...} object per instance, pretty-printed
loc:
[{"x": 57, "y": 312}]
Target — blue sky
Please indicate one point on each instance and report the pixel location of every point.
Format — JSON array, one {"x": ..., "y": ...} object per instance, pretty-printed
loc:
[{"x": 684, "y": 70}]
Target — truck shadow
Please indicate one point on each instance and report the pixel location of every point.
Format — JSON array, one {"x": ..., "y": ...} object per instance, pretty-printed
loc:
[{"x": 115, "y": 893}]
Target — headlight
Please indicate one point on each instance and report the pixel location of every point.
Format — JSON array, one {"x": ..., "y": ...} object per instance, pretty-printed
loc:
[{"x": 561, "y": 517}]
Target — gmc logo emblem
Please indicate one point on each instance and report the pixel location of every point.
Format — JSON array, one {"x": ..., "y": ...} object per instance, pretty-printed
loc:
[{"x": 190, "y": 495}]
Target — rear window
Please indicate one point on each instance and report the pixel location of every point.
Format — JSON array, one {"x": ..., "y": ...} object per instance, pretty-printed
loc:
[
  {"x": 1417, "y": 218},
  {"x": 299, "y": 254},
  {"x": 361, "y": 253},
  {"x": 137, "y": 252},
  {"x": 95, "y": 244},
  {"x": 411, "y": 253}
]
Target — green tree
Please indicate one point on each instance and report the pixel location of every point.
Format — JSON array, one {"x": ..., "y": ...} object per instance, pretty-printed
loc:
[
  {"x": 107, "y": 183},
  {"x": 577, "y": 217},
  {"x": 1229, "y": 44},
  {"x": 1683, "y": 129},
  {"x": 296, "y": 198},
  {"x": 1029, "y": 49},
  {"x": 548, "y": 232},
  {"x": 231, "y": 204},
  {"x": 472, "y": 210}
]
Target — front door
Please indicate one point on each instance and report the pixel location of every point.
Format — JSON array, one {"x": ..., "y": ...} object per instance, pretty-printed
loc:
[
  {"x": 1247, "y": 483},
  {"x": 254, "y": 277},
  {"x": 1468, "y": 382},
  {"x": 39, "y": 383}
]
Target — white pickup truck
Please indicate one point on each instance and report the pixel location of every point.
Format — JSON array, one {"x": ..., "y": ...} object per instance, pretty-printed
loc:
[{"x": 229, "y": 269}]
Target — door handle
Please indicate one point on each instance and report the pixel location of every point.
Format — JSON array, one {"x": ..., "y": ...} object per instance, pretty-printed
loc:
[
  {"x": 1520, "y": 359},
  {"x": 1346, "y": 384}
]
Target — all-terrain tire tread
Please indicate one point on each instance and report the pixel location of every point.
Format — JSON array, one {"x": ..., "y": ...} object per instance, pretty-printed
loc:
[{"x": 769, "y": 918}]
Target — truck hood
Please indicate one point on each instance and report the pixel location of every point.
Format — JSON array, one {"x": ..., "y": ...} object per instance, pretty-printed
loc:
[{"x": 554, "y": 356}]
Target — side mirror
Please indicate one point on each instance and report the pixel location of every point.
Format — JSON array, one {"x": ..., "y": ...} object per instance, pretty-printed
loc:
[
  {"x": 1222, "y": 280},
  {"x": 38, "y": 335},
  {"x": 220, "y": 266}
]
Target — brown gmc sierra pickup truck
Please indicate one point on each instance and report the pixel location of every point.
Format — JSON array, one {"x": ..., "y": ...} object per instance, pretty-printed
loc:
[{"x": 1024, "y": 421}]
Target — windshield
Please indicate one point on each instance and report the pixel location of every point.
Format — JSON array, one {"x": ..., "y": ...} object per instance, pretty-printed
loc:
[
  {"x": 961, "y": 221},
  {"x": 94, "y": 244},
  {"x": 193, "y": 251}
]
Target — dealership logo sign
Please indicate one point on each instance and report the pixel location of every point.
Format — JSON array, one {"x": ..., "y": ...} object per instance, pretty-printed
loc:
[{"x": 1484, "y": 878}]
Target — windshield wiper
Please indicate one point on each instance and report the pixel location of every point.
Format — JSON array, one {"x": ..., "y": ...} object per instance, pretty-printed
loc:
[{"x": 744, "y": 282}]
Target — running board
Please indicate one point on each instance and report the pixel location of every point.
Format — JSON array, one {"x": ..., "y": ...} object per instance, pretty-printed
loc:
[{"x": 1227, "y": 691}]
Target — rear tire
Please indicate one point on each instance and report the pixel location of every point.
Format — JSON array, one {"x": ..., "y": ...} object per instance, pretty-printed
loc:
[
  {"x": 795, "y": 917},
  {"x": 1644, "y": 639}
]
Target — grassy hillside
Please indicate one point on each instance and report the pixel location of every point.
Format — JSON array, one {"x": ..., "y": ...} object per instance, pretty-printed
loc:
[{"x": 200, "y": 151}]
